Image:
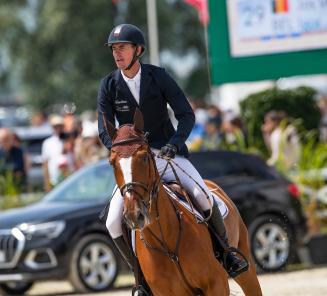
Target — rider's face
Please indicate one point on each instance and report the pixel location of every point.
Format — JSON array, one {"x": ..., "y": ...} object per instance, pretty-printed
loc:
[{"x": 123, "y": 54}]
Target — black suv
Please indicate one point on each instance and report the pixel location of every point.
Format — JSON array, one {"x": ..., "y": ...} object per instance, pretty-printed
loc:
[
  {"x": 61, "y": 237},
  {"x": 268, "y": 203}
]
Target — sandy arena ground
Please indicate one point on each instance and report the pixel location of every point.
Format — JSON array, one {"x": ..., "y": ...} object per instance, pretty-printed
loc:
[{"x": 308, "y": 282}]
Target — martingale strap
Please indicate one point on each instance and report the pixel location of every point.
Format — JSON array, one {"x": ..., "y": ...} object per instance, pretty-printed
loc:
[{"x": 173, "y": 255}]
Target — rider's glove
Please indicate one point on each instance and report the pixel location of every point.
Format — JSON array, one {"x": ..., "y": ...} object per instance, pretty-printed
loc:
[{"x": 168, "y": 151}]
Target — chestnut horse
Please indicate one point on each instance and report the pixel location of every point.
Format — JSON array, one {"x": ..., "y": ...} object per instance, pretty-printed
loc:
[{"x": 174, "y": 251}]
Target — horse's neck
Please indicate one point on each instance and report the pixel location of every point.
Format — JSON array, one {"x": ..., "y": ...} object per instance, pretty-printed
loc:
[{"x": 164, "y": 218}]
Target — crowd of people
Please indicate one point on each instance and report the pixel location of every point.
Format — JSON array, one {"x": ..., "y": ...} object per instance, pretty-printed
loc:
[
  {"x": 216, "y": 130},
  {"x": 75, "y": 141}
]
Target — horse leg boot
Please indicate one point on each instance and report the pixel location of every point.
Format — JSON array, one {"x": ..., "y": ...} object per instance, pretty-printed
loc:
[
  {"x": 139, "y": 290},
  {"x": 232, "y": 263}
]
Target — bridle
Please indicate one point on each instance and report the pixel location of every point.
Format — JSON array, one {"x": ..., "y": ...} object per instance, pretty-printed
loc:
[{"x": 130, "y": 187}]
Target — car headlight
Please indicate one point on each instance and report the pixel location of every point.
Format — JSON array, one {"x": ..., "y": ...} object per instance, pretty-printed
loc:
[{"x": 48, "y": 230}]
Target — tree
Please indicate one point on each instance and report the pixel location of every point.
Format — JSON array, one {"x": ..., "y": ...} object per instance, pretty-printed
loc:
[{"x": 61, "y": 59}]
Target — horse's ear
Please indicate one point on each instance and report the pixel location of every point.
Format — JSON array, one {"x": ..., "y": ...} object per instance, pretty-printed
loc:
[
  {"x": 138, "y": 120},
  {"x": 112, "y": 131}
]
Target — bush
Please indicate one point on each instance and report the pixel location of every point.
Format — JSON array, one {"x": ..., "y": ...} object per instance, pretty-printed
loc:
[{"x": 298, "y": 103}]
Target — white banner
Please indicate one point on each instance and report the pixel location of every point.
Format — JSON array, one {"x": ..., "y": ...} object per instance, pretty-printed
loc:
[{"x": 258, "y": 27}]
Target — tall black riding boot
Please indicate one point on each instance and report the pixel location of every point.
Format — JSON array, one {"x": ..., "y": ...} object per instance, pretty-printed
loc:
[
  {"x": 233, "y": 264},
  {"x": 140, "y": 289}
]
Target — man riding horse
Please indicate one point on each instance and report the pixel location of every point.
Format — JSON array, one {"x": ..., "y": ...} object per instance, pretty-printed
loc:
[{"x": 135, "y": 85}]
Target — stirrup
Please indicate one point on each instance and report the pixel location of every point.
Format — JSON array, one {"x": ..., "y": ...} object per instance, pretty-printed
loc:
[
  {"x": 243, "y": 263},
  {"x": 139, "y": 291},
  {"x": 244, "y": 266}
]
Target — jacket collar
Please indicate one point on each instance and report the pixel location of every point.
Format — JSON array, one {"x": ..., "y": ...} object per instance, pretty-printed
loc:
[{"x": 145, "y": 83}]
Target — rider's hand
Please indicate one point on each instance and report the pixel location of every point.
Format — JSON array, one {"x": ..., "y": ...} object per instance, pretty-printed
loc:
[{"x": 168, "y": 151}]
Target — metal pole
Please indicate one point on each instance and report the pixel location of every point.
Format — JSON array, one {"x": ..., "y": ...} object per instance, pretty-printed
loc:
[
  {"x": 206, "y": 40},
  {"x": 153, "y": 32}
]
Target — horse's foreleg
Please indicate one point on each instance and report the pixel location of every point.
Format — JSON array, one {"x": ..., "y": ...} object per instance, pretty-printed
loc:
[
  {"x": 217, "y": 287},
  {"x": 248, "y": 280}
]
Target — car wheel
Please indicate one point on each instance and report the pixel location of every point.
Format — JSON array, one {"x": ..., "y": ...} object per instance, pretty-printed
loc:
[
  {"x": 94, "y": 264},
  {"x": 271, "y": 242},
  {"x": 16, "y": 288}
]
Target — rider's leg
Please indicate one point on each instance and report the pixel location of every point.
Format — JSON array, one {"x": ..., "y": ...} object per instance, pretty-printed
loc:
[
  {"x": 113, "y": 224},
  {"x": 234, "y": 265}
]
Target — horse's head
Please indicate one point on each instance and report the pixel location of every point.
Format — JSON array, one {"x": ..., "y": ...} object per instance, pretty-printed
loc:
[{"x": 134, "y": 169}]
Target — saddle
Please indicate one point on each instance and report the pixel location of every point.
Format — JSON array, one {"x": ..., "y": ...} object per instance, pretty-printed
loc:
[{"x": 176, "y": 189}]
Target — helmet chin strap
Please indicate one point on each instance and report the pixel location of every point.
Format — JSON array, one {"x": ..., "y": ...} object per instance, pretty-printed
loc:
[{"x": 134, "y": 59}]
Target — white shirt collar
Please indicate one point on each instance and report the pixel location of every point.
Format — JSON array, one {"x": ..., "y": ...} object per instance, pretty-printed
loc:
[
  {"x": 136, "y": 78},
  {"x": 134, "y": 84}
]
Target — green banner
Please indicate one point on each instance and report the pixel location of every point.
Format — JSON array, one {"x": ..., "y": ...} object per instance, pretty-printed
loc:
[{"x": 252, "y": 40}]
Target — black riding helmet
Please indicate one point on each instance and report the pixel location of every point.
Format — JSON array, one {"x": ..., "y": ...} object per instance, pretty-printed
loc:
[{"x": 127, "y": 33}]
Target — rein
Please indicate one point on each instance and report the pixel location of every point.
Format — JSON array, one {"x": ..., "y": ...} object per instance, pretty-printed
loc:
[{"x": 205, "y": 219}]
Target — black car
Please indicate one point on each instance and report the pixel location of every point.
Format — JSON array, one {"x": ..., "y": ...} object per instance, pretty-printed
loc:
[
  {"x": 268, "y": 203},
  {"x": 61, "y": 236}
]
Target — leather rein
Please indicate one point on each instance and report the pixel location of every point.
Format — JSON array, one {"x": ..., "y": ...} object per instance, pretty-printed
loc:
[{"x": 153, "y": 197}]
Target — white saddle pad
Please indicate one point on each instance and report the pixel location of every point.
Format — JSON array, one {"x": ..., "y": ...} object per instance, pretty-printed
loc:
[{"x": 222, "y": 207}]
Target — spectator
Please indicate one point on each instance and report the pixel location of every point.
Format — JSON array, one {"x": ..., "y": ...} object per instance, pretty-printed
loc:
[
  {"x": 12, "y": 159},
  {"x": 194, "y": 141},
  {"x": 281, "y": 139},
  {"x": 52, "y": 148},
  {"x": 214, "y": 112},
  {"x": 92, "y": 150},
  {"x": 233, "y": 132},
  {"x": 78, "y": 142},
  {"x": 66, "y": 163},
  {"x": 213, "y": 137}
]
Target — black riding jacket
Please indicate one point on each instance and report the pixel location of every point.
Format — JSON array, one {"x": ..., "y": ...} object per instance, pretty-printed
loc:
[{"x": 157, "y": 89}]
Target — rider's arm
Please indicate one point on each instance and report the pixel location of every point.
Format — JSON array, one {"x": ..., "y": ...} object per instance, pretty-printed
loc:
[
  {"x": 105, "y": 113},
  {"x": 181, "y": 107}
]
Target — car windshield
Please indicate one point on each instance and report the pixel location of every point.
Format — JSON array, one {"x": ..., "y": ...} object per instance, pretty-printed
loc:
[{"x": 95, "y": 182}]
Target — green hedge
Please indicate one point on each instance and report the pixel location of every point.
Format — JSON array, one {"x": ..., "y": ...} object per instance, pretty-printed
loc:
[{"x": 299, "y": 103}]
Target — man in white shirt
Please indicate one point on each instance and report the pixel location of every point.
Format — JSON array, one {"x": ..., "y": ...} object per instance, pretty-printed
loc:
[{"x": 52, "y": 148}]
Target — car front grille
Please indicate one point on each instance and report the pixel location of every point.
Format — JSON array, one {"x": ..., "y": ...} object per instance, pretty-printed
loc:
[{"x": 12, "y": 243}]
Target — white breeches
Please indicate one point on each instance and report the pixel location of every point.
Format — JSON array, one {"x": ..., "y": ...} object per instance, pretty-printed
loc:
[{"x": 115, "y": 213}]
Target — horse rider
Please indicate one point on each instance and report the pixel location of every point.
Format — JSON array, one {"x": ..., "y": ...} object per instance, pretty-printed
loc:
[{"x": 147, "y": 87}]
